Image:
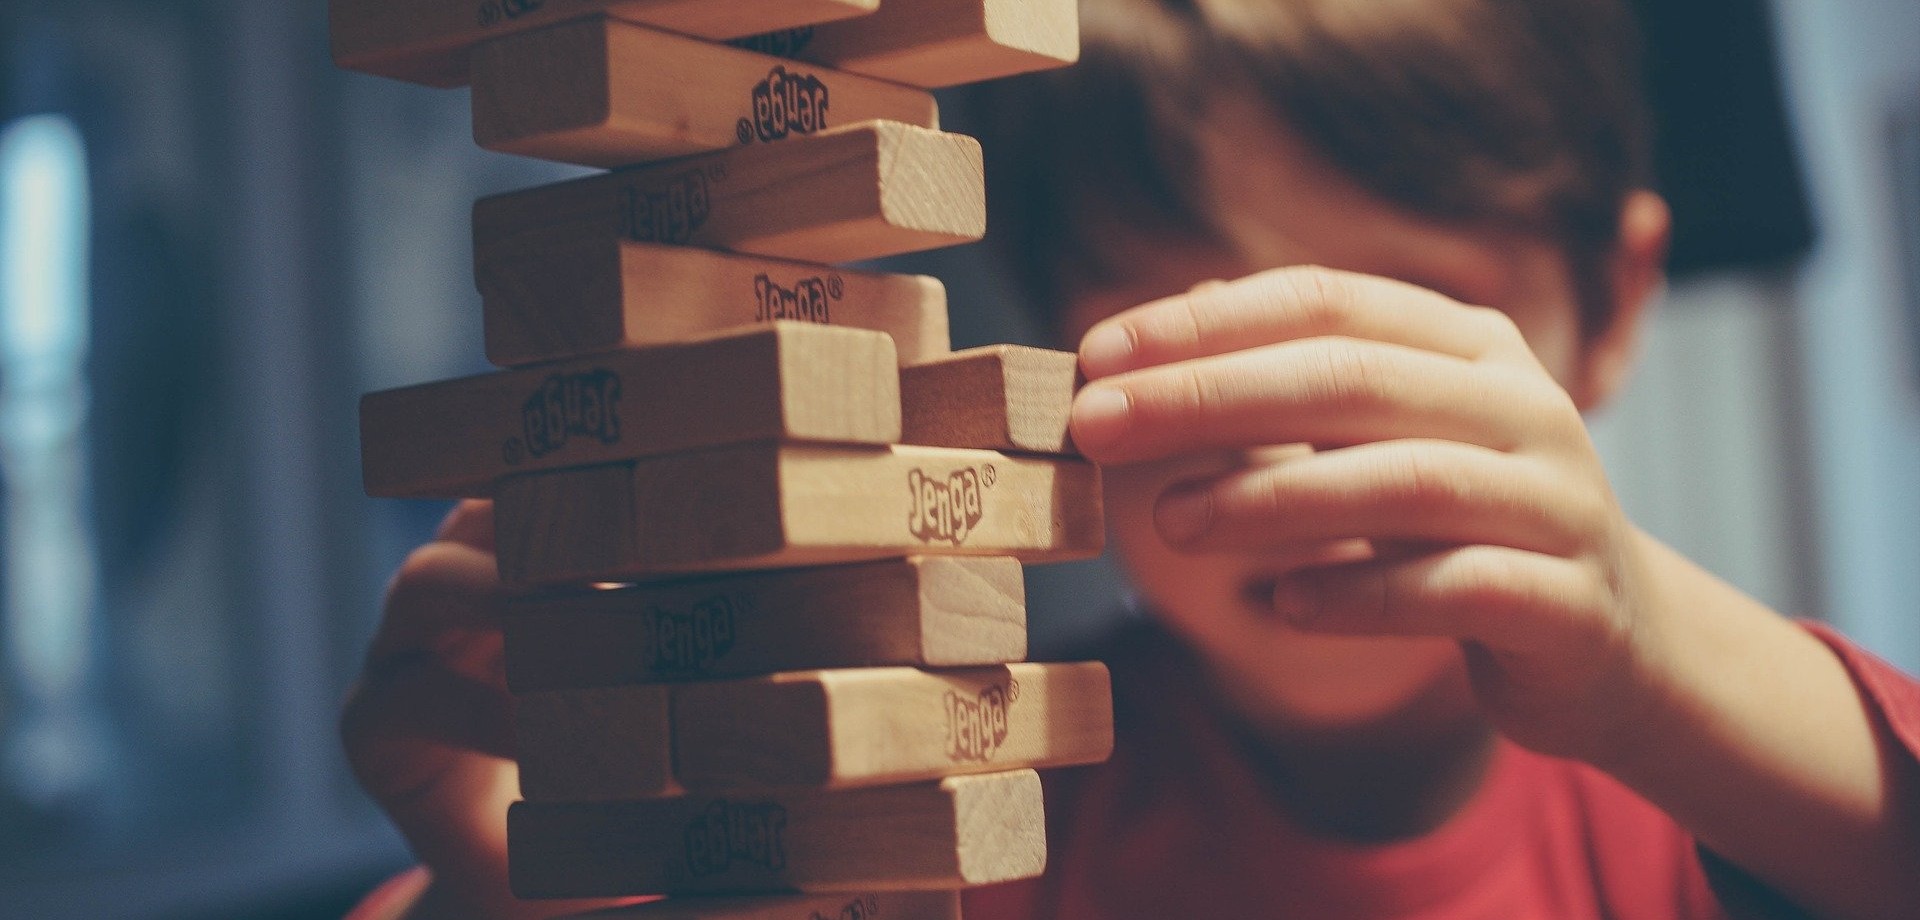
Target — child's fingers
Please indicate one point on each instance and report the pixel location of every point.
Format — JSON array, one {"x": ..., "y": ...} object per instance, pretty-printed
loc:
[
  {"x": 445, "y": 598},
  {"x": 1506, "y": 599},
  {"x": 470, "y": 523},
  {"x": 1426, "y": 491},
  {"x": 419, "y": 702},
  {"x": 1287, "y": 304},
  {"x": 1318, "y": 391}
]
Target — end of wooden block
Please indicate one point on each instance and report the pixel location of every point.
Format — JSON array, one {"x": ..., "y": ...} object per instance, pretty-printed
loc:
[
  {"x": 950, "y": 194},
  {"x": 983, "y": 602},
  {"x": 991, "y": 847}
]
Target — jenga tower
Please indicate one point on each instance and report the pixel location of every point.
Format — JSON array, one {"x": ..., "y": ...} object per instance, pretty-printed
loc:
[{"x": 766, "y": 528}]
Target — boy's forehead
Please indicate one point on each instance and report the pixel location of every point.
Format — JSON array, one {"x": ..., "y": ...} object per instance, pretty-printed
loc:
[{"x": 1277, "y": 202}]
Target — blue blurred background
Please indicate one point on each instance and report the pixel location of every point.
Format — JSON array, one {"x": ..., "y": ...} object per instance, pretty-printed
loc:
[{"x": 211, "y": 242}]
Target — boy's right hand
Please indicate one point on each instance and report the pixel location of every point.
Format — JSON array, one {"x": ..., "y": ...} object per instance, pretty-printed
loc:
[{"x": 429, "y": 725}]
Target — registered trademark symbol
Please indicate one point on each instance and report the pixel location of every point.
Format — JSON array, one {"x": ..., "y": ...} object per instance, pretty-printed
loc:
[
  {"x": 512, "y": 451},
  {"x": 836, "y": 287},
  {"x": 989, "y": 475},
  {"x": 1013, "y": 691},
  {"x": 718, "y": 171},
  {"x": 744, "y": 131}
]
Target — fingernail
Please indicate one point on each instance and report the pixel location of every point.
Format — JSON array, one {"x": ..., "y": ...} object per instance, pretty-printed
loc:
[
  {"x": 1100, "y": 416},
  {"x": 1184, "y": 515},
  {"x": 1106, "y": 350}
]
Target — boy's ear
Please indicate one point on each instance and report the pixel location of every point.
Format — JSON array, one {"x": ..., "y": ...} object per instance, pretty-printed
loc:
[{"x": 1638, "y": 275}]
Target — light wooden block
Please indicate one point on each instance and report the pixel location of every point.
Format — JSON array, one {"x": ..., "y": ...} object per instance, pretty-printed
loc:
[
  {"x": 595, "y": 745},
  {"x": 1001, "y": 397},
  {"x": 957, "y": 833},
  {"x": 854, "y": 193},
  {"x": 936, "y": 43},
  {"x": 602, "y": 92},
  {"x": 887, "y": 905},
  {"x": 773, "y": 506},
  {"x": 786, "y": 380},
  {"x": 930, "y": 611},
  {"x": 427, "y": 41},
  {"x": 878, "y": 726},
  {"x": 597, "y": 293}
]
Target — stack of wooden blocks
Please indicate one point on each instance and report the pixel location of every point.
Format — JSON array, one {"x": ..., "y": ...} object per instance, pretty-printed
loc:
[{"x": 765, "y": 528}]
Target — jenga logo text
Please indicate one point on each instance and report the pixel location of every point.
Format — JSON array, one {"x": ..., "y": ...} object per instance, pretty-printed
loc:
[
  {"x": 693, "y": 640},
  {"x": 567, "y": 406},
  {"x": 810, "y": 299},
  {"x": 785, "y": 103},
  {"x": 947, "y": 511},
  {"x": 670, "y": 213},
  {"x": 785, "y": 43},
  {"x": 728, "y": 832},
  {"x": 977, "y": 726}
]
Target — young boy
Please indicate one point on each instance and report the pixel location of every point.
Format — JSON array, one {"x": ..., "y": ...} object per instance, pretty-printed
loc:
[{"x": 1415, "y": 665}]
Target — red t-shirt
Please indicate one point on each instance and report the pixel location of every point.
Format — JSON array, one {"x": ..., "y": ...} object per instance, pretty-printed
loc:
[{"x": 1178, "y": 824}]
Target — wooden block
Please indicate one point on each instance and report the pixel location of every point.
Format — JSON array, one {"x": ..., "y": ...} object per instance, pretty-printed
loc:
[
  {"x": 886, "y": 905},
  {"x": 877, "y": 726},
  {"x": 595, "y": 745},
  {"x": 860, "y": 192},
  {"x": 427, "y": 41},
  {"x": 957, "y": 833},
  {"x": 597, "y": 293},
  {"x": 786, "y": 380},
  {"x": 602, "y": 92},
  {"x": 1001, "y": 397},
  {"x": 931, "y": 611},
  {"x": 771, "y": 506},
  {"x": 936, "y": 43}
]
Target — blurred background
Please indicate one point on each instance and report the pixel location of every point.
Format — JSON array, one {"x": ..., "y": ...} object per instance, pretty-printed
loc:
[{"x": 211, "y": 242}]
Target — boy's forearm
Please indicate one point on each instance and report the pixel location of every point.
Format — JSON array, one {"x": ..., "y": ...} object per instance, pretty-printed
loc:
[{"x": 1756, "y": 739}]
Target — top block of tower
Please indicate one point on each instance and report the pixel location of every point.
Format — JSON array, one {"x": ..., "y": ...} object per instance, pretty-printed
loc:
[
  {"x": 936, "y": 43},
  {"x": 925, "y": 43},
  {"x": 427, "y": 41}
]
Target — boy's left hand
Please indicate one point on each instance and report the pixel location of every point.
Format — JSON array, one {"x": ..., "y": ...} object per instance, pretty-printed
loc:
[{"x": 1441, "y": 440}]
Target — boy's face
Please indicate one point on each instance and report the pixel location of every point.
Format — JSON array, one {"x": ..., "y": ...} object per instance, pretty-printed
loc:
[{"x": 1279, "y": 204}]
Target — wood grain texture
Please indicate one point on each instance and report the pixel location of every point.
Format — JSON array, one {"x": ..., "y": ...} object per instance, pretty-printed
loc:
[
  {"x": 602, "y": 92},
  {"x": 877, "y": 726},
  {"x": 935, "y": 43},
  {"x": 428, "y": 41},
  {"x": 848, "y": 194},
  {"x": 595, "y": 745},
  {"x": 957, "y": 833},
  {"x": 597, "y": 293},
  {"x": 773, "y": 506},
  {"x": 932, "y": 611},
  {"x": 785, "y": 380},
  {"x": 889, "y": 905},
  {"x": 1001, "y": 397}
]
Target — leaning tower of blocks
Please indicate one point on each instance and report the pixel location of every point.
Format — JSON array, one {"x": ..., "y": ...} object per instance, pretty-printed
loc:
[{"x": 763, "y": 526}]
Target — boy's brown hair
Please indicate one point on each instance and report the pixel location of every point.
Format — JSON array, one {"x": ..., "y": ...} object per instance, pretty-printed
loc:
[{"x": 1526, "y": 115}]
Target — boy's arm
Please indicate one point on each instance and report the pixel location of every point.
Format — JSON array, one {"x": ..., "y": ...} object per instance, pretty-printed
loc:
[
  {"x": 1440, "y": 431},
  {"x": 1760, "y": 740}
]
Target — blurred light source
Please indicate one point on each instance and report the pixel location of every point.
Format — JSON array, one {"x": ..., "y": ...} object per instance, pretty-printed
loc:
[{"x": 55, "y": 744}]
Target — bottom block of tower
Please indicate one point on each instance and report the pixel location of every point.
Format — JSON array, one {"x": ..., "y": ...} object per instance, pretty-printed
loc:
[
  {"x": 774, "y": 505},
  {"x": 957, "y": 833},
  {"x": 889, "y": 905},
  {"x": 927, "y": 611}
]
